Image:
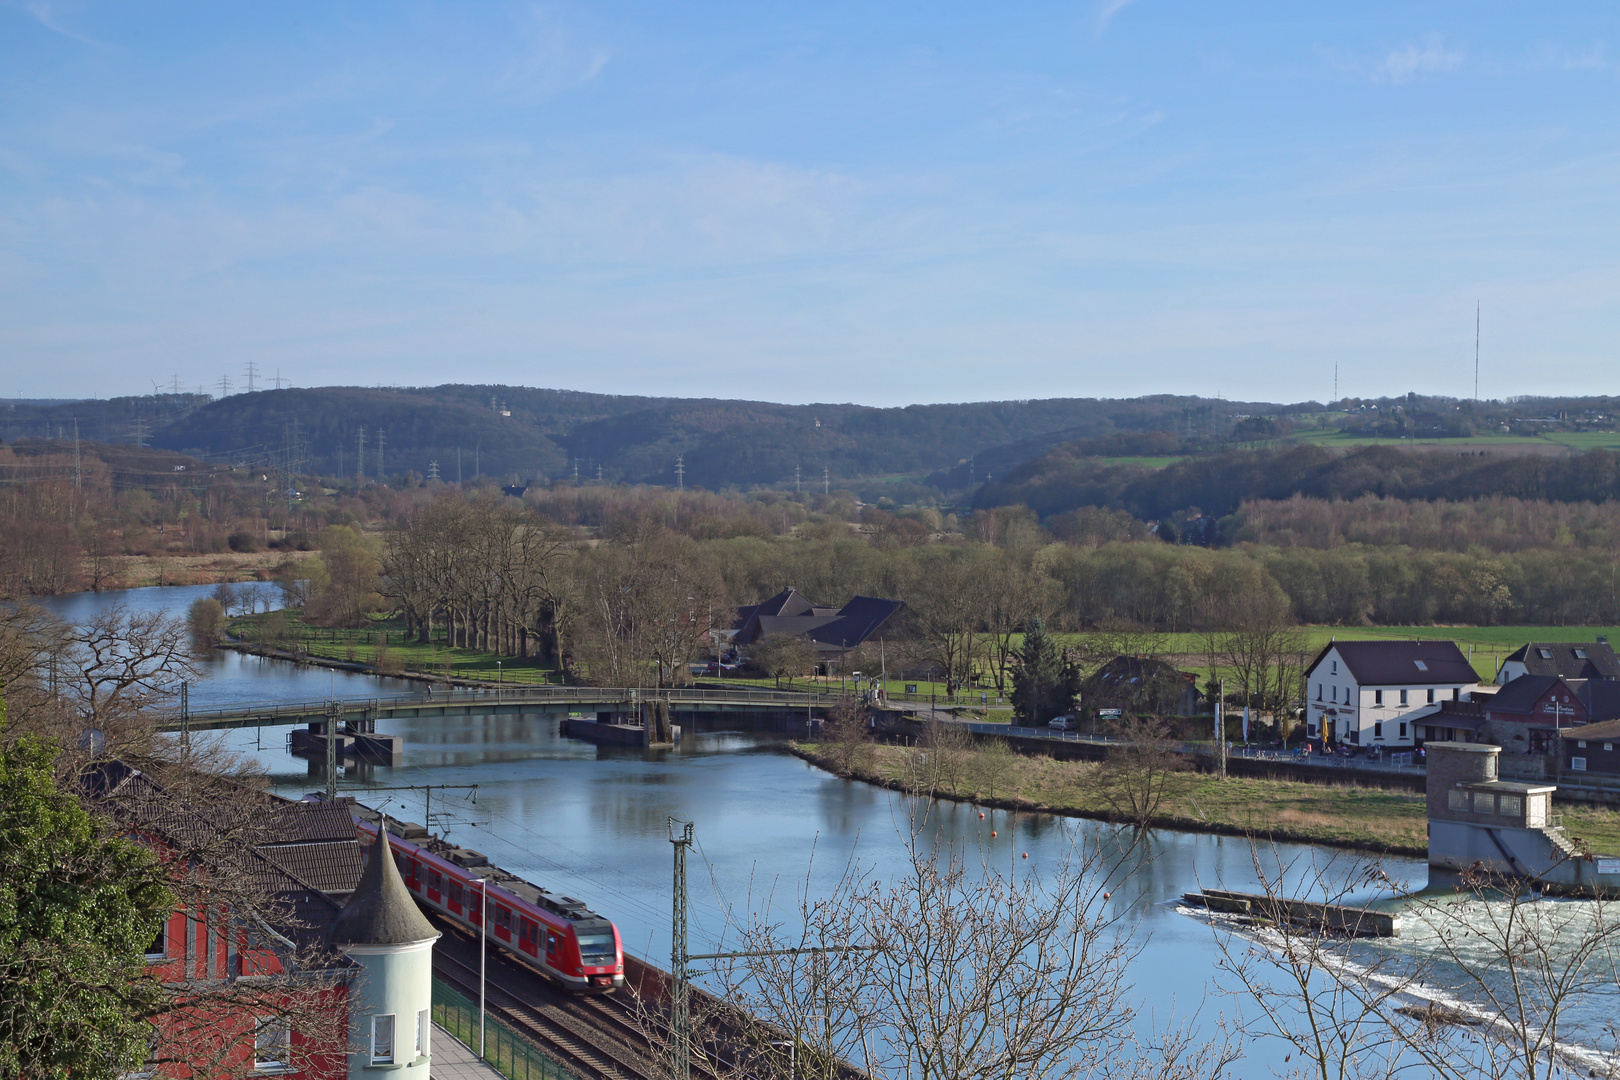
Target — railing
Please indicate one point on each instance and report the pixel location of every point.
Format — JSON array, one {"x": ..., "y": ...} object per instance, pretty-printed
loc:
[
  {"x": 1555, "y": 821},
  {"x": 508, "y": 1053}
]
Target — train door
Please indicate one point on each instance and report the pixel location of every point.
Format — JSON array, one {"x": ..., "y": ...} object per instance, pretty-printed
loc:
[
  {"x": 454, "y": 898},
  {"x": 528, "y": 936},
  {"x": 475, "y": 914},
  {"x": 553, "y": 943},
  {"x": 435, "y": 883},
  {"x": 413, "y": 875}
]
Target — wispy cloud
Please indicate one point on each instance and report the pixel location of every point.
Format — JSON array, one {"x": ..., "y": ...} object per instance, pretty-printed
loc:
[
  {"x": 1415, "y": 61},
  {"x": 1108, "y": 9},
  {"x": 42, "y": 11}
]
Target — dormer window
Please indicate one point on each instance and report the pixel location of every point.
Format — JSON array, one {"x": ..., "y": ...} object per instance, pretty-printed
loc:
[
  {"x": 1545, "y": 654},
  {"x": 1421, "y": 666},
  {"x": 1580, "y": 654}
]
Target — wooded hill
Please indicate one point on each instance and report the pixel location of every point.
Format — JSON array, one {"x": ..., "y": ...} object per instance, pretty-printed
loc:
[{"x": 550, "y": 433}]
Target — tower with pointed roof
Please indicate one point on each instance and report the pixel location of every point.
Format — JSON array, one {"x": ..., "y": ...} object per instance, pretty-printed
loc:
[{"x": 383, "y": 931}]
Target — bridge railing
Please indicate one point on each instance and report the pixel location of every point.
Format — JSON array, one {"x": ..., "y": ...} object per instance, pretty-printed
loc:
[{"x": 517, "y": 695}]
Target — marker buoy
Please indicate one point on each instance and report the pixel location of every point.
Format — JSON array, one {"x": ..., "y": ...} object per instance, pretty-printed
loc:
[
  {"x": 1026, "y": 854},
  {"x": 981, "y": 817},
  {"x": 1105, "y": 896},
  {"x": 992, "y": 832}
]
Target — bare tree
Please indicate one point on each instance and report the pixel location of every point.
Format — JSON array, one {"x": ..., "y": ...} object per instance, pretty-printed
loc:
[
  {"x": 942, "y": 970},
  {"x": 1264, "y": 650},
  {"x": 783, "y": 654},
  {"x": 1140, "y": 769}
]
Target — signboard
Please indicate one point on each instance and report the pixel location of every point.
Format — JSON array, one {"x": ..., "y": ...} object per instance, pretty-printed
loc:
[
  {"x": 911, "y": 688},
  {"x": 1110, "y": 714},
  {"x": 1608, "y": 866}
]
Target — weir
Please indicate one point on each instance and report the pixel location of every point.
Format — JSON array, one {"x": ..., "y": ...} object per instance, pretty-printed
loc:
[{"x": 1482, "y": 824}]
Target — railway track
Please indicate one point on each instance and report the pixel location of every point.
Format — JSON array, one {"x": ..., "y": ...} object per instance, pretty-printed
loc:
[{"x": 598, "y": 1037}]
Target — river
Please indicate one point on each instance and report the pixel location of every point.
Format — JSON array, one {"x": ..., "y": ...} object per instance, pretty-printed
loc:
[{"x": 592, "y": 822}]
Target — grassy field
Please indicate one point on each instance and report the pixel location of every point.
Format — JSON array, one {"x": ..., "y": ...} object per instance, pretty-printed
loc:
[
  {"x": 1346, "y": 815},
  {"x": 1331, "y": 437},
  {"x": 387, "y": 637},
  {"x": 1587, "y": 440}
]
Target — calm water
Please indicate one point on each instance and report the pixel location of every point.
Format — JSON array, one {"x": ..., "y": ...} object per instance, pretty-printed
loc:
[{"x": 593, "y": 822}]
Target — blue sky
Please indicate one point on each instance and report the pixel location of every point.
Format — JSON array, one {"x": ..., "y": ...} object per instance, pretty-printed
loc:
[{"x": 885, "y": 203}]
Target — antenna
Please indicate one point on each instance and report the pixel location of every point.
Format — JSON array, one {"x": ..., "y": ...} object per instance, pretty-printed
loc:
[{"x": 1476, "y": 352}]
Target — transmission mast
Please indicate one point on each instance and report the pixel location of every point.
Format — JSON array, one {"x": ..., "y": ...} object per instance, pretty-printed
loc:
[
  {"x": 360, "y": 456},
  {"x": 252, "y": 376},
  {"x": 680, "y": 472},
  {"x": 680, "y": 1017},
  {"x": 382, "y": 437}
]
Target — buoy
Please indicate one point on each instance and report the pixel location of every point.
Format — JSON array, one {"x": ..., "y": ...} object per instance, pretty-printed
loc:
[
  {"x": 1105, "y": 896},
  {"x": 981, "y": 817},
  {"x": 992, "y": 832},
  {"x": 1026, "y": 854}
]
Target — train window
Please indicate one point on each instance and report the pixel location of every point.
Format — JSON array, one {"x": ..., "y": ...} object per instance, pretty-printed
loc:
[
  {"x": 596, "y": 949},
  {"x": 435, "y": 880},
  {"x": 551, "y": 942},
  {"x": 472, "y": 904},
  {"x": 528, "y": 932},
  {"x": 455, "y": 893},
  {"x": 503, "y": 919}
]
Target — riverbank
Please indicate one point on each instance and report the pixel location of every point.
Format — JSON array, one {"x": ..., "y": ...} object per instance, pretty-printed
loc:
[
  {"x": 1340, "y": 815},
  {"x": 184, "y": 568}
]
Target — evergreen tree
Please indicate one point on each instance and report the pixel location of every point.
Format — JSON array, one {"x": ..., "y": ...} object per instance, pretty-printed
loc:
[
  {"x": 77, "y": 910},
  {"x": 1044, "y": 684}
]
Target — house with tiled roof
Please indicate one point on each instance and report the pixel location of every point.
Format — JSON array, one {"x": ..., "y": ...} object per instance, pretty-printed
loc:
[
  {"x": 835, "y": 631},
  {"x": 1563, "y": 659},
  {"x": 1374, "y": 693}
]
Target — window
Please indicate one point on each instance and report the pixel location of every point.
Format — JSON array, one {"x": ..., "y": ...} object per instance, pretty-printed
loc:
[
  {"x": 1403, "y": 731},
  {"x": 1378, "y": 697},
  {"x": 424, "y": 1028},
  {"x": 1509, "y": 806},
  {"x": 271, "y": 1045},
  {"x": 1421, "y": 666},
  {"x": 1578, "y": 764},
  {"x": 528, "y": 934},
  {"x": 1403, "y": 697},
  {"x": 1335, "y": 695},
  {"x": 382, "y": 1040},
  {"x": 503, "y": 919},
  {"x": 1581, "y": 743},
  {"x": 1335, "y": 667},
  {"x": 1431, "y": 695},
  {"x": 596, "y": 950},
  {"x": 1318, "y": 691},
  {"x": 1484, "y": 803},
  {"x": 1378, "y": 730},
  {"x": 435, "y": 880},
  {"x": 160, "y": 944},
  {"x": 1608, "y": 746},
  {"x": 1580, "y": 654},
  {"x": 456, "y": 893},
  {"x": 1457, "y": 800},
  {"x": 1545, "y": 654}
]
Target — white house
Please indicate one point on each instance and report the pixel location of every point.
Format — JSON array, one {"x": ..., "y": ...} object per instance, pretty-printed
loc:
[{"x": 1369, "y": 693}]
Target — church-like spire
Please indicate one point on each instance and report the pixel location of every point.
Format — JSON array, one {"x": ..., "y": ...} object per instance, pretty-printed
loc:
[{"x": 381, "y": 910}]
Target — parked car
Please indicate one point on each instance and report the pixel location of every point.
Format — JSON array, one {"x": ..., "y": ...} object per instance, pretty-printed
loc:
[{"x": 1064, "y": 723}]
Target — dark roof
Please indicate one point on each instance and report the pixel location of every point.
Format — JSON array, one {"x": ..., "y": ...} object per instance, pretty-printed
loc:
[
  {"x": 832, "y": 629},
  {"x": 1596, "y": 659},
  {"x": 1128, "y": 674},
  {"x": 1608, "y": 730},
  {"x": 1521, "y": 695},
  {"x": 1397, "y": 663},
  {"x": 1602, "y": 700},
  {"x": 381, "y": 911}
]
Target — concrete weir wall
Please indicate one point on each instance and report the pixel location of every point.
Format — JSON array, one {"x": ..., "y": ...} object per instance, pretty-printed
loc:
[{"x": 1479, "y": 822}]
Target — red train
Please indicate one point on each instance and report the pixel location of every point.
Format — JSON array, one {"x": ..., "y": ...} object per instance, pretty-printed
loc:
[{"x": 557, "y": 935}]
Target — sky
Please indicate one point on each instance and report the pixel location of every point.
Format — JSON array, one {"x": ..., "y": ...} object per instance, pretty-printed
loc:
[{"x": 884, "y": 203}]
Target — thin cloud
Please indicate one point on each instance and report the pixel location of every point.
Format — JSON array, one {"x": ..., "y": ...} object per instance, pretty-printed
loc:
[
  {"x": 1108, "y": 9},
  {"x": 42, "y": 11},
  {"x": 1411, "y": 62}
]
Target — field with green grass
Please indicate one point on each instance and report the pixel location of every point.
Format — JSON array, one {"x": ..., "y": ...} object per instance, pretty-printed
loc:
[
  {"x": 1587, "y": 440},
  {"x": 383, "y": 645},
  {"x": 1333, "y": 437},
  {"x": 1344, "y": 814}
]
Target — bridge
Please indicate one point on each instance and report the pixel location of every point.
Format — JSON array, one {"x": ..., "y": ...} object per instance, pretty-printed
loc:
[{"x": 492, "y": 701}]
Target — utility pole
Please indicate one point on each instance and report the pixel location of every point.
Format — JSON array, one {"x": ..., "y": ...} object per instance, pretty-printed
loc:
[
  {"x": 433, "y": 472},
  {"x": 680, "y": 1018},
  {"x": 680, "y": 472},
  {"x": 1220, "y": 728},
  {"x": 382, "y": 437},
  {"x": 140, "y": 431},
  {"x": 252, "y": 376},
  {"x": 278, "y": 378},
  {"x": 360, "y": 456},
  {"x": 224, "y": 386}
]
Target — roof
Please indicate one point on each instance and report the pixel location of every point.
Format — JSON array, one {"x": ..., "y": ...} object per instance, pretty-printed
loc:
[
  {"x": 1602, "y": 700},
  {"x": 1402, "y": 663},
  {"x": 832, "y": 629},
  {"x": 381, "y": 910},
  {"x": 1127, "y": 674},
  {"x": 1571, "y": 659},
  {"x": 1521, "y": 695},
  {"x": 1608, "y": 730}
]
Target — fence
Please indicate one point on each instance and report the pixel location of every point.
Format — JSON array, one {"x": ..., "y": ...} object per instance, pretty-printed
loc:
[{"x": 507, "y": 1053}]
